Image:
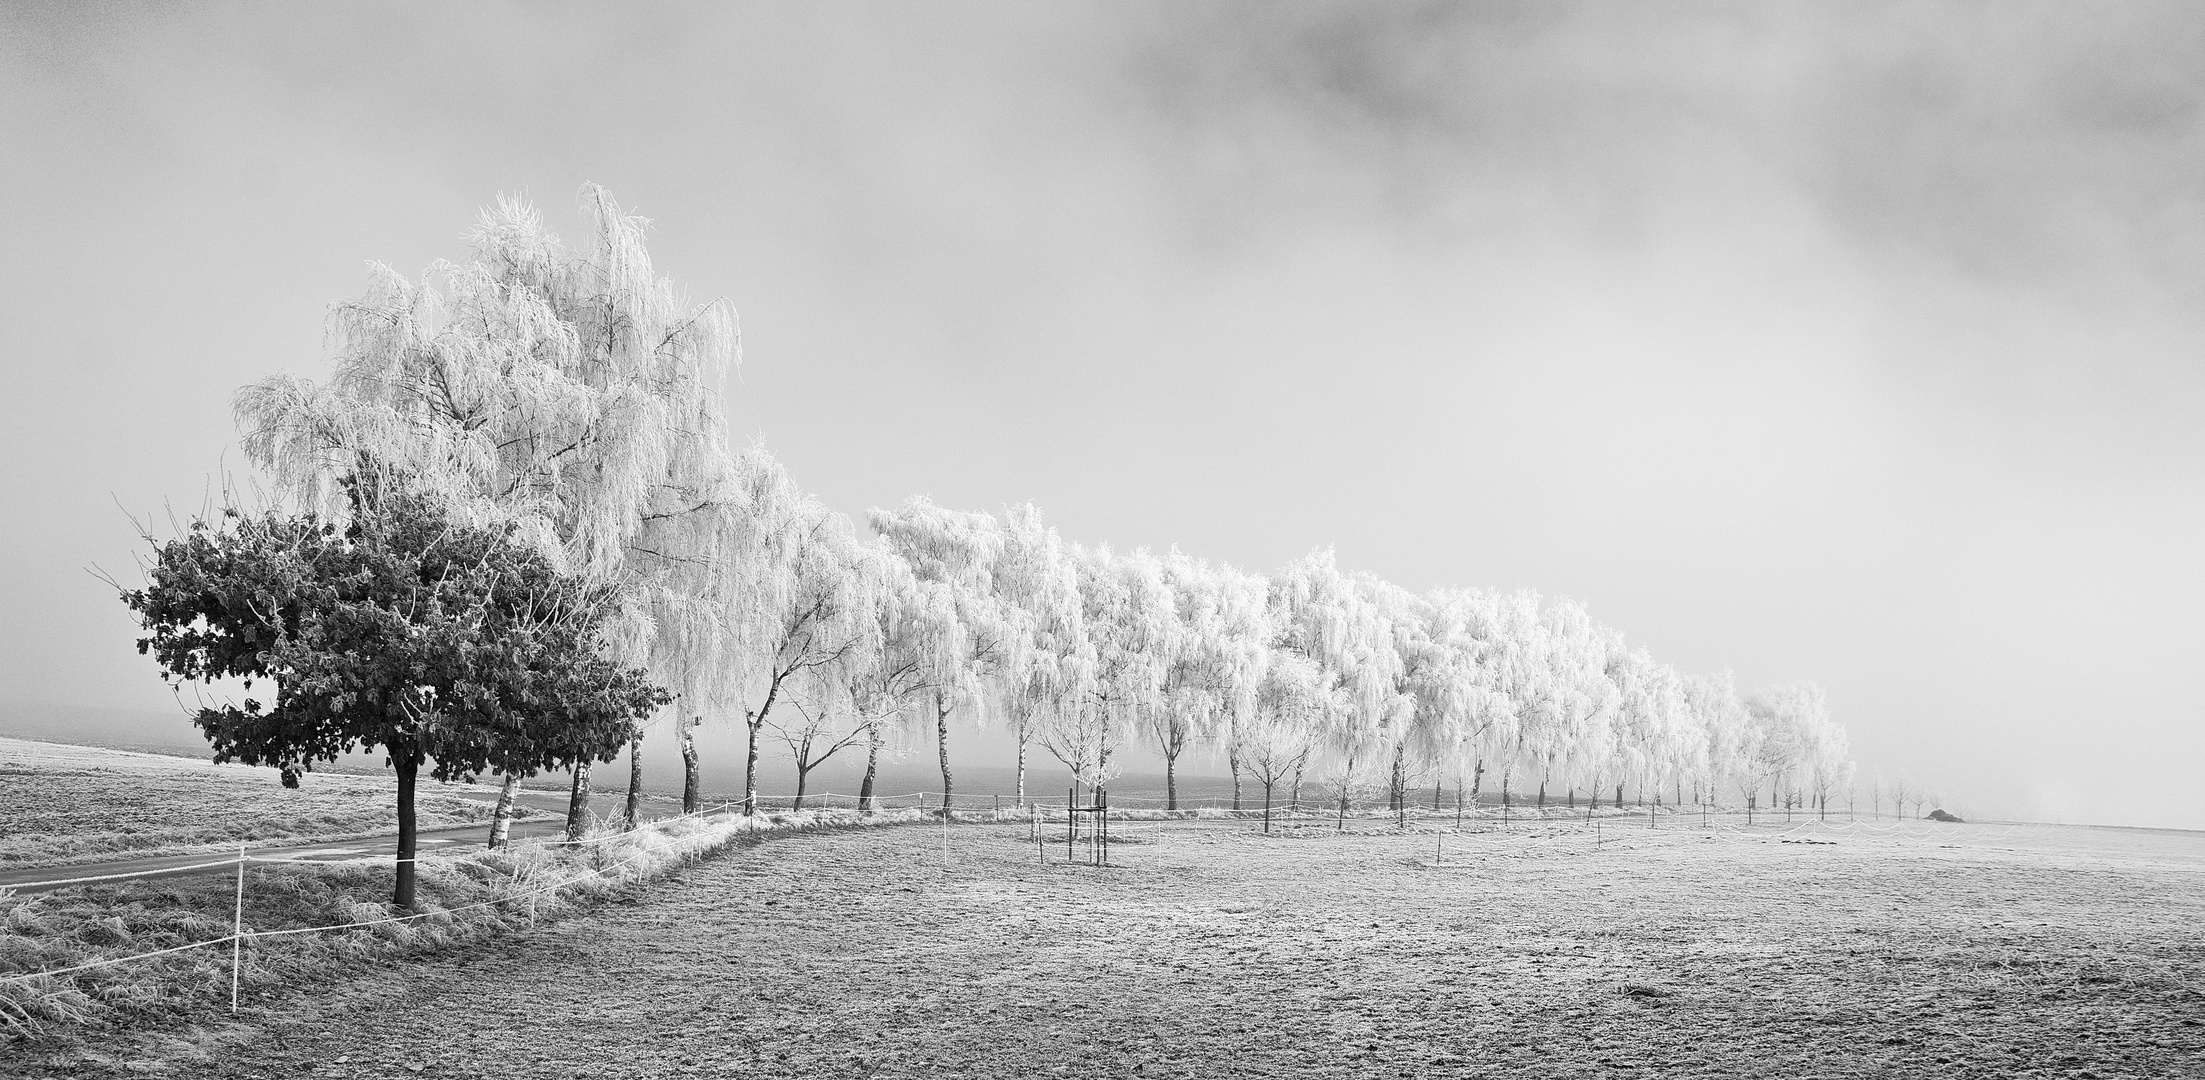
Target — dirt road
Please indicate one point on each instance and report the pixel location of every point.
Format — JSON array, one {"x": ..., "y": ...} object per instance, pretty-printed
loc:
[{"x": 1215, "y": 952}]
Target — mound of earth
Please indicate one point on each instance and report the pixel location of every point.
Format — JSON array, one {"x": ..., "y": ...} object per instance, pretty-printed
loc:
[{"x": 1940, "y": 815}]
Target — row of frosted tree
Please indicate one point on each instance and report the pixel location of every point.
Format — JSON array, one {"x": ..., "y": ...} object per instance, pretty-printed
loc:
[{"x": 571, "y": 396}]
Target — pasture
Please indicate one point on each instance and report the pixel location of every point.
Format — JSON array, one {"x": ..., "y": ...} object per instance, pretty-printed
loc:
[
  {"x": 1548, "y": 950},
  {"x": 63, "y": 804}
]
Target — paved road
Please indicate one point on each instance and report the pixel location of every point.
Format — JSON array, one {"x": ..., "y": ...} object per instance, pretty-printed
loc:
[{"x": 162, "y": 866}]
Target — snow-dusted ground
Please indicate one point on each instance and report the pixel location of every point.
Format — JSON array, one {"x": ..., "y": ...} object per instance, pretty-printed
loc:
[{"x": 1211, "y": 951}]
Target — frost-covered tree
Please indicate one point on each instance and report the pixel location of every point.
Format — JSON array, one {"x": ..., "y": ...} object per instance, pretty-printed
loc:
[
  {"x": 1323, "y": 617},
  {"x": 1216, "y": 658},
  {"x": 802, "y": 609},
  {"x": 1572, "y": 694},
  {"x": 952, "y": 557},
  {"x": 572, "y": 393},
  {"x": 1238, "y": 635},
  {"x": 1126, "y": 607},
  {"x": 1444, "y": 687},
  {"x": 1792, "y": 717},
  {"x": 1048, "y": 664},
  {"x": 1285, "y": 723},
  {"x": 891, "y": 679},
  {"x": 814, "y": 731}
]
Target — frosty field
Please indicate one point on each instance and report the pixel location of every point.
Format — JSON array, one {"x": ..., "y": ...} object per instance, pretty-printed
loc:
[
  {"x": 63, "y": 804},
  {"x": 1961, "y": 951}
]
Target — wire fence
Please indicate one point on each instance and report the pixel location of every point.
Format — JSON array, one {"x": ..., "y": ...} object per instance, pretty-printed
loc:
[{"x": 239, "y": 936}]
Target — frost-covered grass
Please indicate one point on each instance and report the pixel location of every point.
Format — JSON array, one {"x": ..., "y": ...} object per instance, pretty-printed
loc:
[
  {"x": 71, "y": 804},
  {"x": 464, "y": 899},
  {"x": 1211, "y": 950},
  {"x": 1547, "y": 949}
]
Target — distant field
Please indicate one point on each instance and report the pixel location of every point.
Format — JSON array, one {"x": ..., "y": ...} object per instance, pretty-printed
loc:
[
  {"x": 68, "y": 804},
  {"x": 1548, "y": 950}
]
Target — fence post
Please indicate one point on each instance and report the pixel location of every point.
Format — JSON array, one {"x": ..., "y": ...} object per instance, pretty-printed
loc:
[{"x": 237, "y": 929}]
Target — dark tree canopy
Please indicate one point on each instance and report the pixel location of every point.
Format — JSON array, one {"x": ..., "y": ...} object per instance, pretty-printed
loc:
[{"x": 397, "y": 629}]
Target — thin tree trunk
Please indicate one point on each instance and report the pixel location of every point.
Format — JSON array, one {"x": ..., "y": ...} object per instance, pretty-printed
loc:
[
  {"x": 753, "y": 721},
  {"x": 578, "y": 802},
  {"x": 1171, "y": 782},
  {"x": 1347, "y": 775},
  {"x": 1266, "y": 806},
  {"x": 690, "y": 796},
  {"x": 1398, "y": 784},
  {"x": 872, "y": 767},
  {"x": 1437, "y": 783},
  {"x": 501, "y": 819},
  {"x": 941, "y": 742},
  {"x": 1022, "y": 766},
  {"x": 1477, "y": 780},
  {"x": 1542, "y": 791},
  {"x": 408, "y": 763},
  {"x": 1619, "y": 796},
  {"x": 1232, "y": 762},
  {"x": 635, "y": 782},
  {"x": 802, "y": 771}
]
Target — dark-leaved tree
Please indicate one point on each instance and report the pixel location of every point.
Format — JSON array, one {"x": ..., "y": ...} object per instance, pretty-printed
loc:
[{"x": 441, "y": 643}]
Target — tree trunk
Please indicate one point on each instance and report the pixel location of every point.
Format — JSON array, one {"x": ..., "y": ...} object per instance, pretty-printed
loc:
[
  {"x": 1477, "y": 780},
  {"x": 1619, "y": 796},
  {"x": 1398, "y": 784},
  {"x": 578, "y": 802},
  {"x": 753, "y": 721},
  {"x": 635, "y": 782},
  {"x": 501, "y": 819},
  {"x": 1347, "y": 775},
  {"x": 802, "y": 771},
  {"x": 1171, "y": 782},
  {"x": 1436, "y": 791},
  {"x": 941, "y": 742},
  {"x": 1542, "y": 791},
  {"x": 1021, "y": 766},
  {"x": 1266, "y": 806},
  {"x": 690, "y": 796},
  {"x": 1295, "y": 803},
  {"x": 408, "y": 763},
  {"x": 1232, "y": 762},
  {"x": 872, "y": 768}
]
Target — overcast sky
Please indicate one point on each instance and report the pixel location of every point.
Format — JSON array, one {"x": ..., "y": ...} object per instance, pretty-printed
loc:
[{"x": 1848, "y": 342}]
